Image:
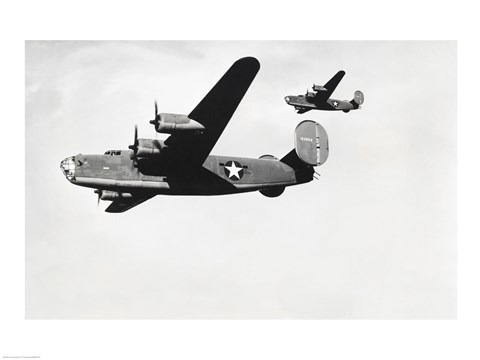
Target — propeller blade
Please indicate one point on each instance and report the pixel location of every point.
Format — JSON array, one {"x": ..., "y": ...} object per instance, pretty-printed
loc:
[
  {"x": 135, "y": 141},
  {"x": 157, "y": 117},
  {"x": 99, "y": 192}
]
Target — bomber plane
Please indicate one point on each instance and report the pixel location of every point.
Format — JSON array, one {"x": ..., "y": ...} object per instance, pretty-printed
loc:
[
  {"x": 319, "y": 99},
  {"x": 182, "y": 165}
]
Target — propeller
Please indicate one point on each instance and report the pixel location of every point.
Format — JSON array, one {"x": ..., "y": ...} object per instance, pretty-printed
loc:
[
  {"x": 99, "y": 192},
  {"x": 134, "y": 147},
  {"x": 157, "y": 116},
  {"x": 135, "y": 141}
]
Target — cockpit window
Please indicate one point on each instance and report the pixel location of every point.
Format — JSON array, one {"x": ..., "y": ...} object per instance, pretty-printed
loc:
[{"x": 113, "y": 152}]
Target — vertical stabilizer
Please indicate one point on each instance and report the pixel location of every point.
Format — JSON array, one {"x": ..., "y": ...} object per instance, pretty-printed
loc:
[
  {"x": 358, "y": 99},
  {"x": 311, "y": 143}
]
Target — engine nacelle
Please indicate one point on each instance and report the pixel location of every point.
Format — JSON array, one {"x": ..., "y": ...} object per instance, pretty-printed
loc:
[
  {"x": 113, "y": 195},
  {"x": 149, "y": 148},
  {"x": 172, "y": 123},
  {"x": 318, "y": 88}
]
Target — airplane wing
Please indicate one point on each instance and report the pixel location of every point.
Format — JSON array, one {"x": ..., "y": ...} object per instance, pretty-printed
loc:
[
  {"x": 214, "y": 111},
  {"x": 122, "y": 205},
  {"x": 331, "y": 85},
  {"x": 303, "y": 110}
]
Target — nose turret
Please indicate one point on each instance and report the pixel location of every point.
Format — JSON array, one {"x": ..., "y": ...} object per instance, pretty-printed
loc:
[{"x": 68, "y": 168}]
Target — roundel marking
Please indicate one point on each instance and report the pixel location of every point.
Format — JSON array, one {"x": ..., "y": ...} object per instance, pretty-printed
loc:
[{"x": 233, "y": 170}]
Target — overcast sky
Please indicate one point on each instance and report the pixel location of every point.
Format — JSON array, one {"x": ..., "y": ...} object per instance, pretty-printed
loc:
[{"x": 374, "y": 237}]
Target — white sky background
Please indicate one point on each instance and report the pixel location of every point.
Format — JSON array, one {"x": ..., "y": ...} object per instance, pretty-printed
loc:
[{"x": 373, "y": 238}]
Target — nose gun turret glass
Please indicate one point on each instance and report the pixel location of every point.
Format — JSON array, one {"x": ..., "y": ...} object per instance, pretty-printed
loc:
[{"x": 68, "y": 168}]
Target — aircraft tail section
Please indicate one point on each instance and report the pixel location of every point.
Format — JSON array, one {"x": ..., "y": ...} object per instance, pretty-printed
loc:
[
  {"x": 311, "y": 143},
  {"x": 357, "y": 99},
  {"x": 311, "y": 149}
]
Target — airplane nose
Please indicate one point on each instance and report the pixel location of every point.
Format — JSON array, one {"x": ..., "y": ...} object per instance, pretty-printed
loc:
[
  {"x": 68, "y": 168},
  {"x": 287, "y": 99}
]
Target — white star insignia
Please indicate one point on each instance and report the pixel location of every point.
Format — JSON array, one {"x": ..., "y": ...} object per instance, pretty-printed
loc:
[
  {"x": 233, "y": 170},
  {"x": 335, "y": 103}
]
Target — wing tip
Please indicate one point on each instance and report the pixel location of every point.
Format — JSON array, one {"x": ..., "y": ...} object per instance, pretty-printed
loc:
[
  {"x": 249, "y": 61},
  {"x": 112, "y": 210}
]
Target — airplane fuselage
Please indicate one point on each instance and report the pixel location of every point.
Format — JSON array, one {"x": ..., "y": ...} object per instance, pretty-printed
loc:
[
  {"x": 304, "y": 102},
  {"x": 118, "y": 171}
]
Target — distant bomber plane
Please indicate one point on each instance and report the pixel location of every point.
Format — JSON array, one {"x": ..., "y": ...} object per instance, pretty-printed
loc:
[
  {"x": 182, "y": 164},
  {"x": 320, "y": 98}
]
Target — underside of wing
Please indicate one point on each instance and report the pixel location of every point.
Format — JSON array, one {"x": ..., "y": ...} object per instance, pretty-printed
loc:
[
  {"x": 122, "y": 205},
  {"x": 215, "y": 110},
  {"x": 302, "y": 110}
]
